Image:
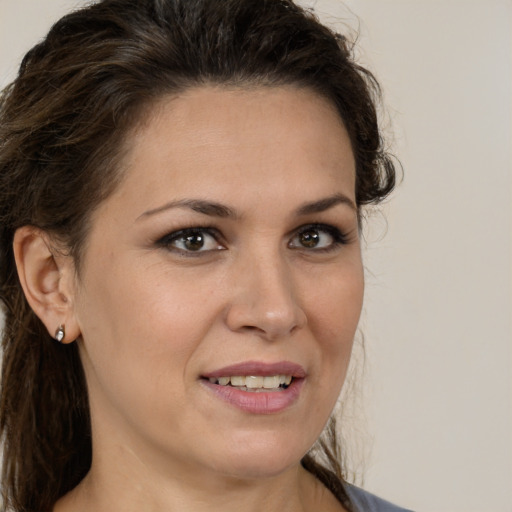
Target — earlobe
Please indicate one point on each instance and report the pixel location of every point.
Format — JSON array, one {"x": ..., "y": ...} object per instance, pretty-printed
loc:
[{"x": 47, "y": 278}]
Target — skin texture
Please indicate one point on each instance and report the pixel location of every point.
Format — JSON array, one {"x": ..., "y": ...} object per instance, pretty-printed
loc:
[{"x": 152, "y": 316}]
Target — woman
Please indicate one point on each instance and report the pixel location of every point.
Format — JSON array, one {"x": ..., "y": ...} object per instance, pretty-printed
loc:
[{"x": 182, "y": 185}]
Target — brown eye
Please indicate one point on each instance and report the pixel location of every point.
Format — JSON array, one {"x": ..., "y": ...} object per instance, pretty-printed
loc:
[
  {"x": 317, "y": 237},
  {"x": 309, "y": 238},
  {"x": 194, "y": 240}
]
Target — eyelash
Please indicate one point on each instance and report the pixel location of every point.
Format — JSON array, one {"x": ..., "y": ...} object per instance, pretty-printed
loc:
[
  {"x": 167, "y": 241},
  {"x": 338, "y": 237}
]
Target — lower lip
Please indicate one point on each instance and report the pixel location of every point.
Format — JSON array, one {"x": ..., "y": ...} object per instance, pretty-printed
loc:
[{"x": 261, "y": 402}]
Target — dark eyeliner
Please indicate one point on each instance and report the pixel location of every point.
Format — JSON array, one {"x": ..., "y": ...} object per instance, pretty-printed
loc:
[
  {"x": 167, "y": 240},
  {"x": 339, "y": 237}
]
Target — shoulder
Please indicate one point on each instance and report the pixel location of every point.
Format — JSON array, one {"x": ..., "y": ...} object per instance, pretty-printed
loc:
[{"x": 363, "y": 501}]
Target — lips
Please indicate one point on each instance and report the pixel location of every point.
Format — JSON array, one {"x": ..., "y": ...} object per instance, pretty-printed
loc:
[
  {"x": 258, "y": 368},
  {"x": 256, "y": 387}
]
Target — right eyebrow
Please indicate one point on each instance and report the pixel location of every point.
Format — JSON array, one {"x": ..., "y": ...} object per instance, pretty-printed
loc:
[{"x": 210, "y": 208}]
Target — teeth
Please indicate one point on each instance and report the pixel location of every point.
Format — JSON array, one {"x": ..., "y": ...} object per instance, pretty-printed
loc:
[
  {"x": 238, "y": 381},
  {"x": 254, "y": 381},
  {"x": 271, "y": 382}
]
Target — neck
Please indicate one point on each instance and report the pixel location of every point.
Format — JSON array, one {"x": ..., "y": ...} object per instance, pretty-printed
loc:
[
  {"x": 127, "y": 489},
  {"x": 129, "y": 475}
]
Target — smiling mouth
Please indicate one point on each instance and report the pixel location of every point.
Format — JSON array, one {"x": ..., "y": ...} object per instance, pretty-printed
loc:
[{"x": 254, "y": 383}]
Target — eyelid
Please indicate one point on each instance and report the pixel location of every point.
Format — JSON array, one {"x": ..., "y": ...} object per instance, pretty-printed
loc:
[
  {"x": 167, "y": 240},
  {"x": 339, "y": 237}
]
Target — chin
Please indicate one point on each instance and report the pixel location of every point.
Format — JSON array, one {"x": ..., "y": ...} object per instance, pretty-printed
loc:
[{"x": 261, "y": 458}]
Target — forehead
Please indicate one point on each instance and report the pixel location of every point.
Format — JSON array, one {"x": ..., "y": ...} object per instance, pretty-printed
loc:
[{"x": 212, "y": 138}]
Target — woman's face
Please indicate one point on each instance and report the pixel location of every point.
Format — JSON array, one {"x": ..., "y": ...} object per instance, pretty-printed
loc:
[{"x": 226, "y": 264}]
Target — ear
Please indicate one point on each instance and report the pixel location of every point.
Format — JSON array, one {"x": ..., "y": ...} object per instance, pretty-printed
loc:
[{"x": 48, "y": 280}]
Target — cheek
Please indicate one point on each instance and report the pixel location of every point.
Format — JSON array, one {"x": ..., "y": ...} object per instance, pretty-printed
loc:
[
  {"x": 335, "y": 312},
  {"x": 143, "y": 320},
  {"x": 139, "y": 336},
  {"x": 336, "y": 305}
]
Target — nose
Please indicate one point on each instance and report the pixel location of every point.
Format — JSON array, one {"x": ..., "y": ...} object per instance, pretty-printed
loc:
[{"x": 264, "y": 299}]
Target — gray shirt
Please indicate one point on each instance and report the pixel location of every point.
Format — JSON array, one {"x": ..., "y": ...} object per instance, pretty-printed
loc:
[{"x": 363, "y": 501}]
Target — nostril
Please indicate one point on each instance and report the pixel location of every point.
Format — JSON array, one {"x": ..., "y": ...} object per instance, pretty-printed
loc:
[
  {"x": 252, "y": 328},
  {"x": 266, "y": 309}
]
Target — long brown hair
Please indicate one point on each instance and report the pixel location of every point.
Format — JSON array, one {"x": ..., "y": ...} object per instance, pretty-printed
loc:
[{"x": 62, "y": 125}]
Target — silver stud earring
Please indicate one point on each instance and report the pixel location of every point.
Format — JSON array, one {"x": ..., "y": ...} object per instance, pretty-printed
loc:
[{"x": 60, "y": 333}]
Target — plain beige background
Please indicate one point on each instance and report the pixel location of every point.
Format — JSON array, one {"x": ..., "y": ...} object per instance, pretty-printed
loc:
[{"x": 434, "y": 409}]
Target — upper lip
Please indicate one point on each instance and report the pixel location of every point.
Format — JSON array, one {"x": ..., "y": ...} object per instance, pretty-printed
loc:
[{"x": 258, "y": 368}]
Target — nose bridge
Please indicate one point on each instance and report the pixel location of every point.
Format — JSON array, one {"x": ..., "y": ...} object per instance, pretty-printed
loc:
[{"x": 266, "y": 298}]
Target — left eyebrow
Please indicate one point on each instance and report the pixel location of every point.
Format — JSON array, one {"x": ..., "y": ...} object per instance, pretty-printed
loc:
[{"x": 325, "y": 204}]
